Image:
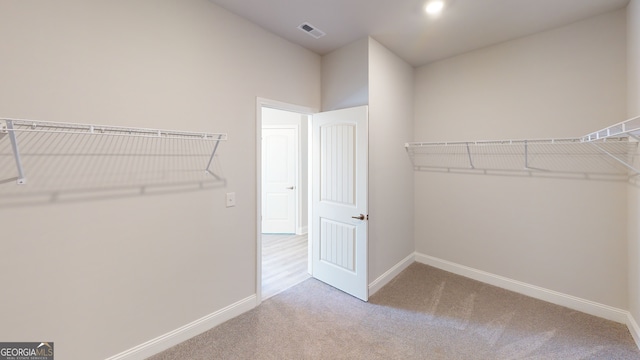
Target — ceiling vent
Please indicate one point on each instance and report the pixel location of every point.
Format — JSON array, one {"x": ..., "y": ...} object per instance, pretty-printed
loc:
[{"x": 311, "y": 30}]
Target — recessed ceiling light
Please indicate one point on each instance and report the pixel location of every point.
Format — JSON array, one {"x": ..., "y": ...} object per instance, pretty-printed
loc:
[{"x": 434, "y": 7}]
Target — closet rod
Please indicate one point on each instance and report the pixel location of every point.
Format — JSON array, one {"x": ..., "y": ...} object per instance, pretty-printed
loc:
[{"x": 493, "y": 142}]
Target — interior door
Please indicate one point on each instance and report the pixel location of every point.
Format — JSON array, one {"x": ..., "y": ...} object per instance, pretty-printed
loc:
[
  {"x": 339, "y": 199},
  {"x": 279, "y": 174}
]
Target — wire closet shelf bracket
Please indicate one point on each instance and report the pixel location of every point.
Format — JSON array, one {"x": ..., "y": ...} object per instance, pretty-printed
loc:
[
  {"x": 54, "y": 134},
  {"x": 610, "y": 151}
]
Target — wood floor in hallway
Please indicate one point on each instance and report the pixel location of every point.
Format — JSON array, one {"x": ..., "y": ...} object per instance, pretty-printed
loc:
[{"x": 284, "y": 262}]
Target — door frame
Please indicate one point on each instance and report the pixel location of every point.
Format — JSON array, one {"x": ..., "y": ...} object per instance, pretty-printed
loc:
[{"x": 274, "y": 104}]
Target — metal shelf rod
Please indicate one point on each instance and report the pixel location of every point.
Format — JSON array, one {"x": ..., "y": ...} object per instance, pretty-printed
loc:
[
  {"x": 92, "y": 129},
  {"x": 494, "y": 142}
]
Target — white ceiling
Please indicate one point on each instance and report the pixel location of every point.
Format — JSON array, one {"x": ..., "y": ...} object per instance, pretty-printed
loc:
[{"x": 404, "y": 28}]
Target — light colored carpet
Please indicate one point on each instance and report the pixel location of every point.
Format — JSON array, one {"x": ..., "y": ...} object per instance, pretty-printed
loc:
[{"x": 424, "y": 313}]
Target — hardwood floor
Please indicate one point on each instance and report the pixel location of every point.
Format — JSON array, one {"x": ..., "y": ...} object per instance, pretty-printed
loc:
[{"x": 284, "y": 262}]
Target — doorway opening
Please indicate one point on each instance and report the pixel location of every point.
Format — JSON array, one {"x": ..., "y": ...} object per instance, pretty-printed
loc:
[
  {"x": 333, "y": 157},
  {"x": 283, "y": 192}
]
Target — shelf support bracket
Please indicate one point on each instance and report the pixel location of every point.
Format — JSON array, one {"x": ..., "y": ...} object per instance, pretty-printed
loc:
[
  {"x": 616, "y": 159},
  {"x": 470, "y": 159},
  {"x": 213, "y": 153},
  {"x": 16, "y": 153},
  {"x": 526, "y": 154}
]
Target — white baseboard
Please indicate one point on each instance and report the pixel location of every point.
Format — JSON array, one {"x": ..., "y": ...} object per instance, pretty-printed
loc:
[
  {"x": 384, "y": 279},
  {"x": 186, "y": 332},
  {"x": 634, "y": 329},
  {"x": 558, "y": 298},
  {"x": 302, "y": 230}
]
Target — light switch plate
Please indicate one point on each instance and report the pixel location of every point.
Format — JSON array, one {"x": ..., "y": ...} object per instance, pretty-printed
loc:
[{"x": 231, "y": 199}]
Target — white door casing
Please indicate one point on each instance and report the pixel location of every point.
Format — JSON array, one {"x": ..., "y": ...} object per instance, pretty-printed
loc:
[
  {"x": 339, "y": 199},
  {"x": 279, "y": 176}
]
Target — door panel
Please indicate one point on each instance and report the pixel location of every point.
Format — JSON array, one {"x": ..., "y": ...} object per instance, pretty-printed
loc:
[
  {"x": 338, "y": 244},
  {"x": 279, "y": 161},
  {"x": 337, "y": 163},
  {"x": 339, "y": 197}
]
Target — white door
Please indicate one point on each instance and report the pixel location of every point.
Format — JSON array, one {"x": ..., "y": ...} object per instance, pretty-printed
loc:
[
  {"x": 279, "y": 174},
  {"x": 339, "y": 199}
]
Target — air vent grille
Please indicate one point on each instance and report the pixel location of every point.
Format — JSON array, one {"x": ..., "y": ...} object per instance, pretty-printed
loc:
[{"x": 311, "y": 30}]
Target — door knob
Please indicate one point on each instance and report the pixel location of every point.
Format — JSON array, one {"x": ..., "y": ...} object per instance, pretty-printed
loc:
[
  {"x": 360, "y": 217},
  {"x": 291, "y": 187}
]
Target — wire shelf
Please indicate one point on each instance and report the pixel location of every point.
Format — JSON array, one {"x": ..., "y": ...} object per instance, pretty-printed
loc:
[
  {"x": 630, "y": 128},
  {"x": 79, "y": 156},
  {"x": 608, "y": 152}
]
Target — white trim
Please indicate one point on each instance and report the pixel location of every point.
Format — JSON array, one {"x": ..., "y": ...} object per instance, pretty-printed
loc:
[
  {"x": 186, "y": 332},
  {"x": 309, "y": 195},
  {"x": 303, "y": 230},
  {"x": 300, "y": 200},
  {"x": 274, "y": 104},
  {"x": 555, "y": 297},
  {"x": 259, "y": 103},
  {"x": 385, "y": 278},
  {"x": 634, "y": 329}
]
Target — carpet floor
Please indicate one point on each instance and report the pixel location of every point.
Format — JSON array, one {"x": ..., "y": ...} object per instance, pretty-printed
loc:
[{"x": 424, "y": 313}]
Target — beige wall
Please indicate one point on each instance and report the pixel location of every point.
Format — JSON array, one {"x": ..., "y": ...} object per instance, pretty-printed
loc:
[
  {"x": 99, "y": 277},
  {"x": 345, "y": 76},
  {"x": 633, "y": 106},
  {"x": 560, "y": 234},
  {"x": 390, "y": 172},
  {"x": 366, "y": 73}
]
